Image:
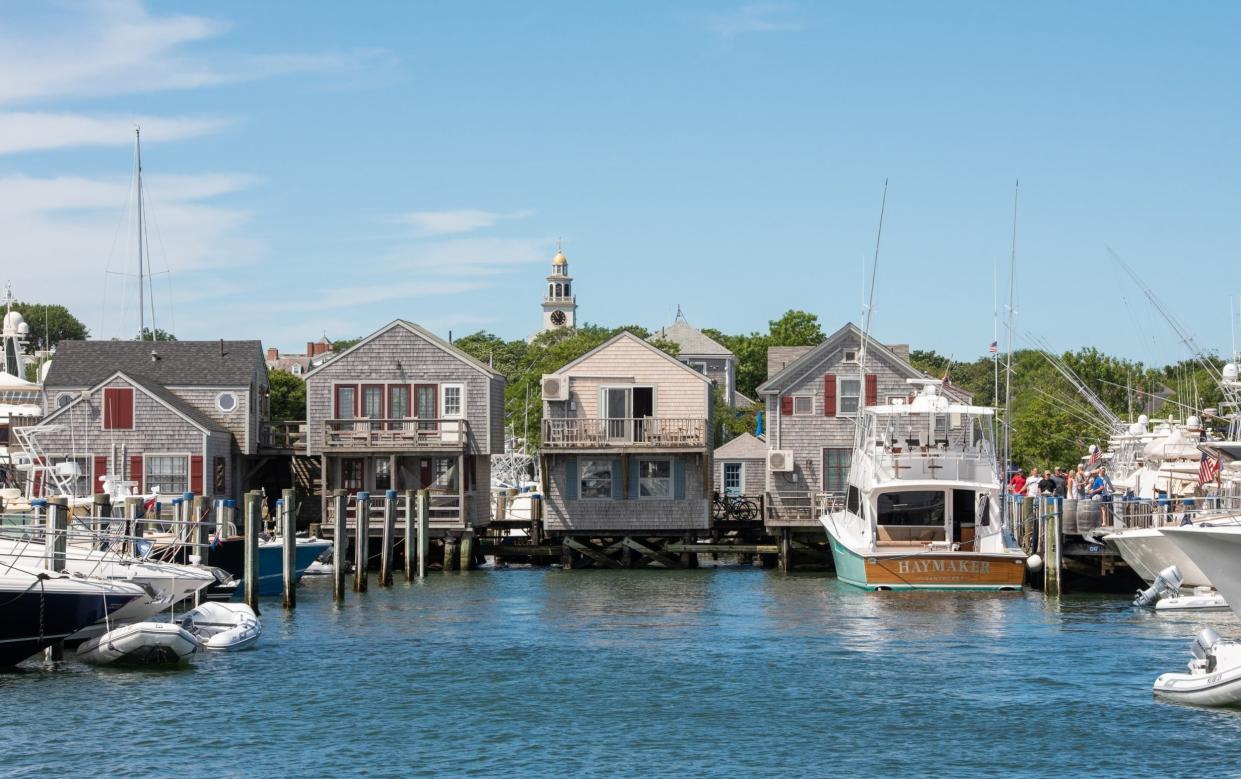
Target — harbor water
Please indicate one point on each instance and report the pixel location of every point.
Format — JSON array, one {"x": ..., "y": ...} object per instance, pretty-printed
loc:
[{"x": 729, "y": 671}]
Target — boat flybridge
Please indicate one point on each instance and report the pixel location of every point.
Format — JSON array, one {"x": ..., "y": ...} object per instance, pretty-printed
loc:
[{"x": 922, "y": 508}]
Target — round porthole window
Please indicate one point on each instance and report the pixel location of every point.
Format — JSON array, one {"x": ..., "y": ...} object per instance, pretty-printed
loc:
[
  {"x": 226, "y": 402},
  {"x": 63, "y": 399}
]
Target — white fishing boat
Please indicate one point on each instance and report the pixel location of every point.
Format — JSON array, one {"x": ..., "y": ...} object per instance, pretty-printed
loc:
[
  {"x": 1213, "y": 677},
  {"x": 145, "y": 643},
  {"x": 223, "y": 626},
  {"x": 922, "y": 508}
]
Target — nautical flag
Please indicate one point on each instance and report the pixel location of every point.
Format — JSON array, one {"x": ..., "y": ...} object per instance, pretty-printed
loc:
[
  {"x": 994, "y": 347},
  {"x": 1208, "y": 469}
]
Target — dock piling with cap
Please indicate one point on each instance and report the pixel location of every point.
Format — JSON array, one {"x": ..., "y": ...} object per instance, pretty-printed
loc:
[
  {"x": 424, "y": 540},
  {"x": 253, "y": 521},
  {"x": 361, "y": 541},
  {"x": 340, "y": 543},
  {"x": 288, "y": 534},
  {"x": 388, "y": 540},
  {"x": 56, "y": 546},
  {"x": 410, "y": 500}
]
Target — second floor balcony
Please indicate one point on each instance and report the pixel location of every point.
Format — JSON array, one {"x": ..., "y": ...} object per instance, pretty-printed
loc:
[
  {"x": 395, "y": 434},
  {"x": 646, "y": 432}
]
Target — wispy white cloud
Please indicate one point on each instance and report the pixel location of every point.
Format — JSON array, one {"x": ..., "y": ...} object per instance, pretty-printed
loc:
[
  {"x": 113, "y": 47},
  {"x": 25, "y": 131},
  {"x": 755, "y": 17},
  {"x": 467, "y": 257},
  {"x": 456, "y": 222}
]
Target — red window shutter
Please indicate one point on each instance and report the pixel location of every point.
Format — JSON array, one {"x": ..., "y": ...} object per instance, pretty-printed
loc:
[
  {"x": 872, "y": 389},
  {"x": 135, "y": 472},
  {"x": 786, "y": 405},
  {"x": 118, "y": 408},
  {"x": 100, "y": 470},
  {"x": 829, "y": 394},
  {"x": 196, "y": 474}
]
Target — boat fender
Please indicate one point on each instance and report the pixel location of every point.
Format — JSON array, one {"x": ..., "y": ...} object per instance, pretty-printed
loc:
[{"x": 1034, "y": 563}]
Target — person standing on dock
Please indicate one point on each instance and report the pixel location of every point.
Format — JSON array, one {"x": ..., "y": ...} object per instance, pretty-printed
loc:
[
  {"x": 1018, "y": 484},
  {"x": 1032, "y": 483},
  {"x": 1062, "y": 484},
  {"x": 1047, "y": 484}
]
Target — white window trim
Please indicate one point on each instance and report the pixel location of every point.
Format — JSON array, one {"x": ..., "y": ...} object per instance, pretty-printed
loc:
[
  {"x": 443, "y": 409},
  {"x": 581, "y": 477},
  {"x": 823, "y": 467},
  {"x": 840, "y": 395},
  {"x": 844, "y": 357},
  {"x": 809, "y": 413},
  {"x": 146, "y": 486},
  {"x": 67, "y": 397},
  {"x": 740, "y": 476},
  {"x": 896, "y": 400},
  {"x": 220, "y": 407},
  {"x": 698, "y": 365},
  {"x": 671, "y": 479}
]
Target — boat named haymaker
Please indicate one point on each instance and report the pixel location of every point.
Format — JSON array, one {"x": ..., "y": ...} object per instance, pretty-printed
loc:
[{"x": 921, "y": 510}]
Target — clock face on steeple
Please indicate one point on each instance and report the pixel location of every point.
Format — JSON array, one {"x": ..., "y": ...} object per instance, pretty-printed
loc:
[{"x": 558, "y": 318}]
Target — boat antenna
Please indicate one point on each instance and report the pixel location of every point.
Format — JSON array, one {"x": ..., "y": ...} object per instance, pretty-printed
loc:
[
  {"x": 867, "y": 311},
  {"x": 1008, "y": 359}
]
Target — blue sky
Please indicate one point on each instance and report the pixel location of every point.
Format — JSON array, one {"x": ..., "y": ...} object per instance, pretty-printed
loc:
[{"x": 323, "y": 167}]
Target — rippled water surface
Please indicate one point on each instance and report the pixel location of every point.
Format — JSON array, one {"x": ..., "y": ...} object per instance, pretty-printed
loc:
[{"x": 730, "y": 671}]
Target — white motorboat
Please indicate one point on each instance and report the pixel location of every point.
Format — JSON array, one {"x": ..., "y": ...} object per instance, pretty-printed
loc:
[
  {"x": 39, "y": 608},
  {"x": 922, "y": 507},
  {"x": 1165, "y": 594},
  {"x": 147, "y": 643},
  {"x": 1214, "y": 673},
  {"x": 164, "y": 584},
  {"x": 223, "y": 626},
  {"x": 1213, "y": 677}
]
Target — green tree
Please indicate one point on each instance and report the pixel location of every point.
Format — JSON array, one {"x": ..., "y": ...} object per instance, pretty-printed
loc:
[
  {"x": 343, "y": 344},
  {"x": 50, "y": 324},
  {"x": 288, "y": 397},
  {"x": 157, "y": 335}
]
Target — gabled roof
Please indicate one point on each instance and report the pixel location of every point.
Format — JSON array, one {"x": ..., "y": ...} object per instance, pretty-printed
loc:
[
  {"x": 849, "y": 333},
  {"x": 418, "y": 330},
  {"x": 626, "y": 335},
  {"x": 693, "y": 342},
  {"x": 157, "y": 392},
  {"x": 176, "y": 363},
  {"x": 744, "y": 447}
]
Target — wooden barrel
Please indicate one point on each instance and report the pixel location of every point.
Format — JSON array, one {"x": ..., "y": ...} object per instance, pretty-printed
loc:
[
  {"x": 1089, "y": 515},
  {"x": 1068, "y": 521}
]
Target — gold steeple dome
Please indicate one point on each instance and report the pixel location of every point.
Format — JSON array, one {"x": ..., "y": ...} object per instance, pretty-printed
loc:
[{"x": 560, "y": 259}]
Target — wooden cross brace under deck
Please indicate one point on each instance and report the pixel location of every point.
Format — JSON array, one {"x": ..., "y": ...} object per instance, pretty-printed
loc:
[
  {"x": 650, "y": 553},
  {"x": 591, "y": 551}
]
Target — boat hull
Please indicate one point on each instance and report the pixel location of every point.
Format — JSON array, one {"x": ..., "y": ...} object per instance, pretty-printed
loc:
[
  {"x": 920, "y": 570},
  {"x": 34, "y": 619},
  {"x": 1217, "y": 551},
  {"x": 231, "y": 557},
  {"x": 1149, "y": 551}
]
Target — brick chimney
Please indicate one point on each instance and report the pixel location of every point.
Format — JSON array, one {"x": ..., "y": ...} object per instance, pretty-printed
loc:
[
  {"x": 273, "y": 353},
  {"x": 321, "y": 348},
  {"x": 310, "y": 349}
]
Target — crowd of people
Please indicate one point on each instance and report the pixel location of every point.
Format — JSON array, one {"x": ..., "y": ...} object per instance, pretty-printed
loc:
[{"x": 1075, "y": 483}]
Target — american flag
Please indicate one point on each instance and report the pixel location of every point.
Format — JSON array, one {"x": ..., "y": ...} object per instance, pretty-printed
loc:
[
  {"x": 994, "y": 347},
  {"x": 1208, "y": 469},
  {"x": 1095, "y": 455}
]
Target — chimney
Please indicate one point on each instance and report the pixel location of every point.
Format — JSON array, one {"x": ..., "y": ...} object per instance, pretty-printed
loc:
[
  {"x": 901, "y": 350},
  {"x": 321, "y": 348},
  {"x": 273, "y": 353},
  {"x": 310, "y": 349}
]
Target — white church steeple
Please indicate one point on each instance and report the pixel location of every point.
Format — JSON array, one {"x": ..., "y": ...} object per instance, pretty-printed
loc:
[{"x": 560, "y": 304}]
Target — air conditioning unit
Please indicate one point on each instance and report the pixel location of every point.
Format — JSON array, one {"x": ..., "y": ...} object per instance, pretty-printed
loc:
[
  {"x": 779, "y": 461},
  {"x": 555, "y": 387}
]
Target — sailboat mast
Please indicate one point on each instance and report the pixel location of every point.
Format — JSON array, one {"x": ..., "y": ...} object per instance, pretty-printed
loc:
[
  {"x": 1008, "y": 366},
  {"x": 142, "y": 325},
  {"x": 866, "y": 314}
]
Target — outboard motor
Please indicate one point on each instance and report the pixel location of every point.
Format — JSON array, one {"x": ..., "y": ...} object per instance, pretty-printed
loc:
[
  {"x": 1167, "y": 583},
  {"x": 1201, "y": 647}
]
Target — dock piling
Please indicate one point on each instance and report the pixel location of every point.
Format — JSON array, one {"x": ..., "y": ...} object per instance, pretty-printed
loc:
[
  {"x": 361, "y": 543},
  {"x": 411, "y": 523},
  {"x": 288, "y": 535},
  {"x": 340, "y": 543},
  {"x": 467, "y": 550},
  {"x": 253, "y": 521},
  {"x": 1052, "y": 555},
  {"x": 424, "y": 540},
  {"x": 56, "y": 546},
  {"x": 389, "y": 538}
]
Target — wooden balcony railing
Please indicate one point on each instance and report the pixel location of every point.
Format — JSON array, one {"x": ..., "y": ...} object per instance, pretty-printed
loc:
[
  {"x": 662, "y": 432},
  {"x": 394, "y": 433},
  {"x": 284, "y": 435}
]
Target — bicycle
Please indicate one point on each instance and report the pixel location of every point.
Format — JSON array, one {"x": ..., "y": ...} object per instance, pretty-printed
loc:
[{"x": 732, "y": 507}]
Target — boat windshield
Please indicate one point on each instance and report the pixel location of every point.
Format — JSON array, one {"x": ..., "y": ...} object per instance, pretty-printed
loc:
[{"x": 910, "y": 517}]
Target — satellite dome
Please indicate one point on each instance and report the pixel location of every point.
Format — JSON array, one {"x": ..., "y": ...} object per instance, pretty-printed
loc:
[
  {"x": 1193, "y": 421},
  {"x": 13, "y": 321},
  {"x": 1230, "y": 372},
  {"x": 1143, "y": 420}
]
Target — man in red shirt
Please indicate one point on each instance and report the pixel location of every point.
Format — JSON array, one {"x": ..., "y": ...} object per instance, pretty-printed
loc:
[{"x": 1018, "y": 483}]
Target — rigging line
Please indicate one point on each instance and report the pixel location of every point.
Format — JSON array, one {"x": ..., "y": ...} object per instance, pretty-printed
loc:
[
  {"x": 866, "y": 316},
  {"x": 1073, "y": 411},
  {"x": 123, "y": 221}
]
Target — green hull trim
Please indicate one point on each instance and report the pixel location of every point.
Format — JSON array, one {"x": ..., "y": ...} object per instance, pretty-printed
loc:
[{"x": 851, "y": 569}]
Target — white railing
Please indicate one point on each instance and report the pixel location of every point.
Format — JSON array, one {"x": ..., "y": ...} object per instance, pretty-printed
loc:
[
  {"x": 586, "y": 432},
  {"x": 394, "y": 433}
]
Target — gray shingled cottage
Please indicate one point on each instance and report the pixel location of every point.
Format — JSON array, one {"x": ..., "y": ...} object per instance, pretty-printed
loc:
[
  {"x": 626, "y": 445},
  {"x": 404, "y": 409},
  {"x": 172, "y": 416},
  {"x": 812, "y": 397},
  {"x": 705, "y": 355}
]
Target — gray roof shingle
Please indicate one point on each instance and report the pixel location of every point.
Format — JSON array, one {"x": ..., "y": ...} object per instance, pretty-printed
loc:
[
  {"x": 178, "y": 363},
  {"x": 166, "y": 395},
  {"x": 693, "y": 342}
]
